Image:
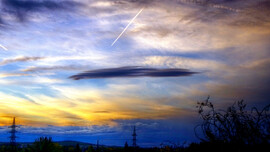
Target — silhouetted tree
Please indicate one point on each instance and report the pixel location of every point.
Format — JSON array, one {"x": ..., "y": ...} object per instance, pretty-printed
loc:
[
  {"x": 45, "y": 144},
  {"x": 126, "y": 148},
  {"x": 77, "y": 149},
  {"x": 90, "y": 149},
  {"x": 236, "y": 125}
]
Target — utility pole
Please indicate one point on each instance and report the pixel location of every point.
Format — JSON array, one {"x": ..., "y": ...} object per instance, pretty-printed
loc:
[
  {"x": 134, "y": 138},
  {"x": 13, "y": 135}
]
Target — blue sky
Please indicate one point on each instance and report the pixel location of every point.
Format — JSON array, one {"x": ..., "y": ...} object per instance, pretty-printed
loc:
[{"x": 175, "y": 53}]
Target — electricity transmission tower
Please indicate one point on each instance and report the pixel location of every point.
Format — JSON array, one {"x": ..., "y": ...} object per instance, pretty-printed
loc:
[
  {"x": 97, "y": 145},
  {"x": 134, "y": 138},
  {"x": 13, "y": 133}
]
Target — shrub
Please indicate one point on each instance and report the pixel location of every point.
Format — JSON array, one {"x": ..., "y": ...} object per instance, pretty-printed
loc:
[{"x": 235, "y": 125}]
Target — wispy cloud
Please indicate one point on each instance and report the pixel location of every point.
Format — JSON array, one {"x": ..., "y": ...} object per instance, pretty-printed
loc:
[
  {"x": 133, "y": 71},
  {"x": 4, "y": 75},
  {"x": 19, "y": 59},
  {"x": 52, "y": 68}
]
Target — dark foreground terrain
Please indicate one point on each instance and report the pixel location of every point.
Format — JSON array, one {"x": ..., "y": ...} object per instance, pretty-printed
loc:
[{"x": 46, "y": 145}]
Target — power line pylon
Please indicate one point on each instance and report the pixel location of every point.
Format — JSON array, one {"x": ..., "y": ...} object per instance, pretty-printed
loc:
[
  {"x": 97, "y": 145},
  {"x": 134, "y": 138},
  {"x": 13, "y": 133}
]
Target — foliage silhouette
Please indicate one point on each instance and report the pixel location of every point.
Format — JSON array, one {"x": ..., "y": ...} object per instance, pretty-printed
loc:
[
  {"x": 236, "y": 125},
  {"x": 78, "y": 149},
  {"x": 90, "y": 149},
  {"x": 126, "y": 148},
  {"x": 45, "y": 144}
]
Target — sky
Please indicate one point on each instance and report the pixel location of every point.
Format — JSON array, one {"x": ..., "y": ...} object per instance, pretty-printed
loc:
[{"x": 90, "y": 70}]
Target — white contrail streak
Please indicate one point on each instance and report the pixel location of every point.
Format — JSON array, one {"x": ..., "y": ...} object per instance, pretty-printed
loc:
[
  {"x": 127, "y": 26},
  {"x": 1, "y": 46}
]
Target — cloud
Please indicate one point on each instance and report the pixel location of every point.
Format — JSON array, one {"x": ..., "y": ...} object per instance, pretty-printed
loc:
[
  {"x": 132, "y": 71},
  {"x": 18, "y": 94},
  {"x": 182, "y": 62},
  {"x": 4, "y": 75},
  {"x": 229, "y": 84},
  {"x": 250, "y": 13},
  {"x": 101, "y": 112},
  {"x": 248, "y": 82},
  {"x": 2, "y": 23},
  {"x": 150, "y": 132},
  {"x": 19, "y": 59},
  {"x": 52, "y": 68},
  {"x": 21, "y": 9}
]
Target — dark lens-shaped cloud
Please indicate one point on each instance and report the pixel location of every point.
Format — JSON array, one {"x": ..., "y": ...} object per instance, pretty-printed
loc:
[
  {"x": 21, "y": 8},
  {"x": 133, "y": 71}
]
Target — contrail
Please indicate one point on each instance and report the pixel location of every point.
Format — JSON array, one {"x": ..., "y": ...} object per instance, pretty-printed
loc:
[
  {"x": 1, "y": 46},
  {"x": 127, "y": 26}
]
